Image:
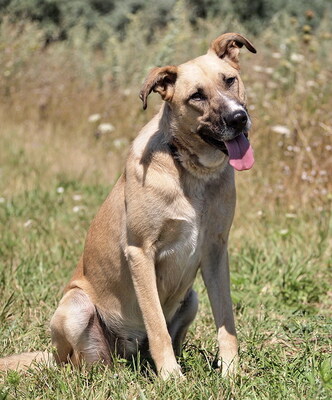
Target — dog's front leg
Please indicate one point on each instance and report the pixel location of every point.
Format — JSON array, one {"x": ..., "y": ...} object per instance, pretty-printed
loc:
[
  {"x": 144, "y": 278},
  {"x": 215, "y": 271}
]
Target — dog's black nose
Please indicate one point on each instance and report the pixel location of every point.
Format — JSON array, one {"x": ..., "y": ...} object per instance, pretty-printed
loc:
[{"x": 237, "y": 120}]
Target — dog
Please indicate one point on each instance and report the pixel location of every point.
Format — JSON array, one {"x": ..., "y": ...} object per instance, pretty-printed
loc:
[{"x": 168, "y": 215}]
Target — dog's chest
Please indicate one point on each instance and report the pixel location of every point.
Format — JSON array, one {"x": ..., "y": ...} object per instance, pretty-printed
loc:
[
  {"x": 179, "y": 240},
  {"x": 180, "y": 248}
]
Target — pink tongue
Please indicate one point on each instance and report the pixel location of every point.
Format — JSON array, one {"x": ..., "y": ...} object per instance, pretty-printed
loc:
[{"x": 241, "y": 155}]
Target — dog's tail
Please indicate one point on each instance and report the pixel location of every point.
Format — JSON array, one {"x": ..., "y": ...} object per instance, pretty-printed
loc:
[{"x": 24, "y": 361}]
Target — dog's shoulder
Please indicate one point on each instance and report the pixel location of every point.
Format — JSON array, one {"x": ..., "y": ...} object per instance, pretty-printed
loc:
[{"x": 150, "y": 163}]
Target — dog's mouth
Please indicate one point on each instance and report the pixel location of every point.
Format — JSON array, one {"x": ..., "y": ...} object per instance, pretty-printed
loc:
[
  {"x": 238, "y": 149},
  {"x": 219, "y": 144}
]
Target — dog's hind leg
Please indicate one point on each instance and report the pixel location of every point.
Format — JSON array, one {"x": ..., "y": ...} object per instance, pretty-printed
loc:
[
  {"x": 184, "y": 316},
  {"x": 76, "y": 331}
]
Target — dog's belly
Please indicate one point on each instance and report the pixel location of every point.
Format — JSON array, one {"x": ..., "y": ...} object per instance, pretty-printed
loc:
[{"x": 178, "y": 259}]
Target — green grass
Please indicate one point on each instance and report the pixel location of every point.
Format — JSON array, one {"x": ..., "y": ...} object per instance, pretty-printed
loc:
[{"x": 280, "y": 281}]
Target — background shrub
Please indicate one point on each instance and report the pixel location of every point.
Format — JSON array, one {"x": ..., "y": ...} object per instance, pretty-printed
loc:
[{"x": 58, "y": 17}]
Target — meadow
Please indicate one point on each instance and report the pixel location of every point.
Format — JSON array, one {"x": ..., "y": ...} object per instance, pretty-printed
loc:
[{"x": 68, "y": 113}]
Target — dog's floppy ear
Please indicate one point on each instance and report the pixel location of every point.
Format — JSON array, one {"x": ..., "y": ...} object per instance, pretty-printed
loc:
[
  {"x": 159, "y": 80},
  {"x": 227, "y": 46}
]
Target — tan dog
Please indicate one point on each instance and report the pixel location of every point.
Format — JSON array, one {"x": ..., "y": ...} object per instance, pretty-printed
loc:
[{"x": 168, "y": 215}]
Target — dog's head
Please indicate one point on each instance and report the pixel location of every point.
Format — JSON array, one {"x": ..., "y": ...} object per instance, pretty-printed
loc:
[{"x": 207, "y": 96}]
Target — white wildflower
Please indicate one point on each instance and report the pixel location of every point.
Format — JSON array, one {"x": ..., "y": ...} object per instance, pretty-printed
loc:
[
  {"x": 258, "y": 68},
  {"x": 286, "y": 170},
  {"x": 297, "y": 57},
  {"x": 77, "y": 197},
  {"x": 283, "y": 232},
  {"x": 283, "y": 79},
  {"x": 28, "y": 223},
  {"x": 60, "y": 190},
  {"x": 127, "y": 92},
  {"x": 311, "y": 84},
  {"x": 266, "y": 289},
  {"x": 290, "y": 215},
  {"x": 94, "y": 118},
  {"x": 281, "y": 129},
  {"x": 119, "y": 143},
  {"x": 105, "y": 128},
  {"x": 276, "y": 55},
  {"x": 2, "y": 200}
]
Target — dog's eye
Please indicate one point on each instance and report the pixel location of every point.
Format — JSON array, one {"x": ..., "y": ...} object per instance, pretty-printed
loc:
[
  {"x": 229, "y": 81},
  {"x": 197, "y": 96}
]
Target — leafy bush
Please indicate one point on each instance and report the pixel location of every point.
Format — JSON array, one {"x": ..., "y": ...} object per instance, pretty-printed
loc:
[{"x": 58, "y": 17}]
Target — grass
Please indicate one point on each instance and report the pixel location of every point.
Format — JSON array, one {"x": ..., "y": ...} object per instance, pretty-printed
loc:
[
  {"x": 55, "y": 172},
  {"x": 281, "y": 293}
]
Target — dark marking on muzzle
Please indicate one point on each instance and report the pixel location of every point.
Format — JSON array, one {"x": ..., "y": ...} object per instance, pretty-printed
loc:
[{"x": 219, "y": 144}]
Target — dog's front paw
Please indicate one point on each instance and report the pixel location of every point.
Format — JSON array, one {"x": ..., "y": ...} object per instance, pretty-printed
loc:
[{"x": 171, "y": 370}]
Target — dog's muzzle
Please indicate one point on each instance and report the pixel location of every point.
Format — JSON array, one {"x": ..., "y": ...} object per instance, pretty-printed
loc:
[
  {"x": 237, "y": 120},
  {"x": 230, "y": 136},
  {"x": 228, "y": 127}
]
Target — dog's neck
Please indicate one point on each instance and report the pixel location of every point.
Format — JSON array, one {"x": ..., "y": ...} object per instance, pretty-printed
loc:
[{"x": 197, "y": 157}]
